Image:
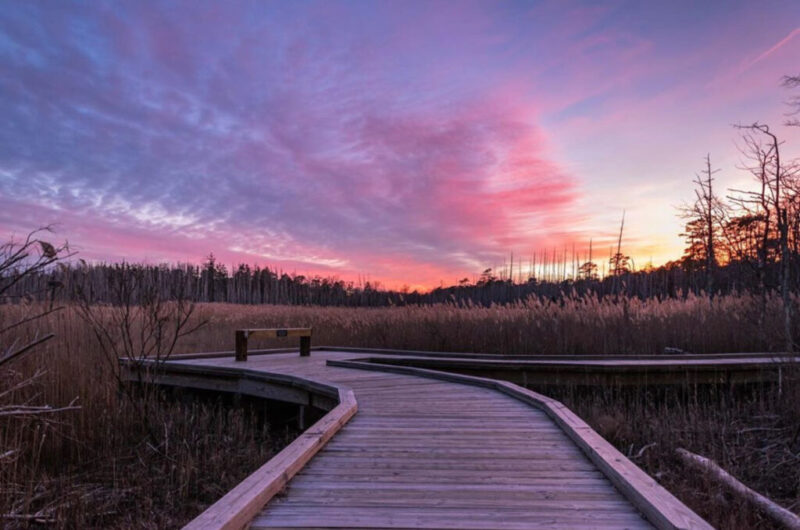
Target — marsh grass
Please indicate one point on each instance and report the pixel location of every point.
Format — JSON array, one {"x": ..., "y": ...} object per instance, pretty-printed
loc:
[
  {"x": 104, "y": 465},
  {"x": 97, "y": 466},
  {"x": 579, "y": 325}
]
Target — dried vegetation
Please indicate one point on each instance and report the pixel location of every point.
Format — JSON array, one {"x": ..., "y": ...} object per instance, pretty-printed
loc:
[
  {"x": 102, "y": 463},
  {"x": 99, "y": 466}
]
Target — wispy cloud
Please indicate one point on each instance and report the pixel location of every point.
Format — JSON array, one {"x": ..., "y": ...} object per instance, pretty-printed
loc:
[
  {"x": 778, "y": 45},
  {"x": 415, "y": 142}
]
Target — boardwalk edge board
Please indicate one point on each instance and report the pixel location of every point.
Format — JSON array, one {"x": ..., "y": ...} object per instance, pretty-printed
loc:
[
  {"x": 769, "y": 358},
  {"x": 658, "y": 505},
  {"x": 268, "y": 385},
  {"x": 241, "y": 504}
]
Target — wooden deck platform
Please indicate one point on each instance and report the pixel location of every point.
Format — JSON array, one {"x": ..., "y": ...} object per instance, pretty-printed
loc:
[{"x": 425, "y": 449}]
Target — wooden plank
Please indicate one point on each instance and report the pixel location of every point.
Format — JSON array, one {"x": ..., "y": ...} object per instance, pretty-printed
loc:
[
  {"x": 368, "y": 424},
  {"x": 597, "y": 489},
  {"x": 455, "y": 441},
  {"x": 442, "y": 517},
  {"x": 403, "y": 464},
  {"x": 551, "y": 475},
  {"x": 279, "y": 332},
  {"x": 397, "y": 498}
]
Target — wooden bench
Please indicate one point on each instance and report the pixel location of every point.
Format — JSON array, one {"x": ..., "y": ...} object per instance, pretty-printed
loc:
[{"x": 242, "y": 335}]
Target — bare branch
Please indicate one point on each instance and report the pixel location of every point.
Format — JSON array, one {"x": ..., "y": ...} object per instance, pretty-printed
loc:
[
  {"x": 18, "y": 352},
  {"x": 30, "y": 319}
]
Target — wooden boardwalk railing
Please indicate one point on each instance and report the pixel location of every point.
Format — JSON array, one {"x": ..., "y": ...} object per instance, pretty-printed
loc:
[{"x": 426, "y": 449}]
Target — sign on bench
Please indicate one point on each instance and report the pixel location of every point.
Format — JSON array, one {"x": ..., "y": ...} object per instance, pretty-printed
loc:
[{"x": 242, "y": 335}]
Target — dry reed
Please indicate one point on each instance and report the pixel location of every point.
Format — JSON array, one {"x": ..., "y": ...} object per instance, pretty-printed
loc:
[
  {"x": 97, "y": 467},
  {"x": 103, "y": 465},
  {"x": 572, "y": 325}
]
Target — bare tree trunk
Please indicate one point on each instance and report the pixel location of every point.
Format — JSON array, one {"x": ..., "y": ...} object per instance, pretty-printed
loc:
[
  {"x": 783, "y": 232},
  {"x": 785, "y": 284},
  {"x": 711, "y": 257}
]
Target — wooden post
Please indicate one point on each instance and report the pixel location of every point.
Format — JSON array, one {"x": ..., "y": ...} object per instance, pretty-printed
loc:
[
  {"x": 305, "y": 346},
  {"x": 241, "y": 345}
]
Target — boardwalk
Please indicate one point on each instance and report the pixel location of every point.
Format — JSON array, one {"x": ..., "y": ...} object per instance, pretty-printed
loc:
[
  {"x": 546, "y": 370},
  {"x": 428, "y": 453}
]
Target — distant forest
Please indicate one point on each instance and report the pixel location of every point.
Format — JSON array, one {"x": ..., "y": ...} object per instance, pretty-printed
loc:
[{"x": 212, "y": 282}]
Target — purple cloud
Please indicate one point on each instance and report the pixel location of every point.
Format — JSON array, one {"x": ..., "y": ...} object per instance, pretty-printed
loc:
[{"x": 412, "y": 141}]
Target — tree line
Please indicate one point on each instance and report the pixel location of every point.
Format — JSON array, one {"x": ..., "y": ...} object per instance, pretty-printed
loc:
[{"x": 245, "y": 284}]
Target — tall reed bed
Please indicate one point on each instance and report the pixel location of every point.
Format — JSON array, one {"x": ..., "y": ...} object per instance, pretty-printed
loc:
[
  {"x": 572, "y": 325},
  {"x": 102, "y": 466}
]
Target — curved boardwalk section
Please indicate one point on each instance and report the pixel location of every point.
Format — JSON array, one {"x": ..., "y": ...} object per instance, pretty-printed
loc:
[{"x": 431, "y": 453}]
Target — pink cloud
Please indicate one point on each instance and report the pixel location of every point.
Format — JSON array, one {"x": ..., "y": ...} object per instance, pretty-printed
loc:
[{"x": 408, "y": 144}]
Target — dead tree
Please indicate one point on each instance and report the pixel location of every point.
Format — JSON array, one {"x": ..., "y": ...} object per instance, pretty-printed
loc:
[
  {"x": 770, "y": 204},
  {"x": 706, "y": 215},
  {"x": 588, "y": 269},
  {"x": 619, "y": 263}
]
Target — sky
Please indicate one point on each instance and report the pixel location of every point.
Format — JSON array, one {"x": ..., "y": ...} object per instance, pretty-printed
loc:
[{"x": 406, "y": 142}]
